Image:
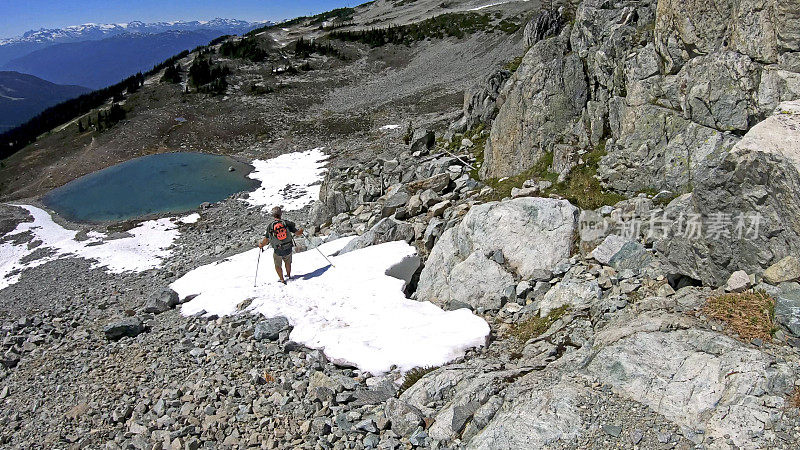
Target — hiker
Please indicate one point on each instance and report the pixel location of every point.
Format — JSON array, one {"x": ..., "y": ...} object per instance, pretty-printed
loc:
[{"x": 279, "y": 237}]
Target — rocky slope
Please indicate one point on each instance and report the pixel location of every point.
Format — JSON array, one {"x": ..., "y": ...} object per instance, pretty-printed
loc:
[{"x": 606, "y": 327}]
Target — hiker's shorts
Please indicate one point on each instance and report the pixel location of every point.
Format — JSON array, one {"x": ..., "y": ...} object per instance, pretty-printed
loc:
[{"x": 278, "y": 258}]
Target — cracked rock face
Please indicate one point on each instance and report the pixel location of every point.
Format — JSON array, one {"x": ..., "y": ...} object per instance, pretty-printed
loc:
[
  {"x": 666, "y": 87},
  {"x": 539, "y": 417},
  {"x": 758, "y": 181},
  {"x": 704, "y": 382},
  {"x": 542, "y": 99}
]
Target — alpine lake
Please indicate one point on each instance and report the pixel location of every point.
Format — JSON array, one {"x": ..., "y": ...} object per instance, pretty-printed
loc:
[{"x": 150, "y": 185}]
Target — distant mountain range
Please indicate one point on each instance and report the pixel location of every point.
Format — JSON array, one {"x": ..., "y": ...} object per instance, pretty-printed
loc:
[
  {"x": 63, "y": 63},
  {"x": 23, "y": 96},
  {"x": 97, "y": 64},
  {"x": 15, "y": 47}
]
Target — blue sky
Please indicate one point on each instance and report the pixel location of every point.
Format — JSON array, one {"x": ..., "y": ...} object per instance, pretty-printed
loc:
[{"x": 18, "y": 16}]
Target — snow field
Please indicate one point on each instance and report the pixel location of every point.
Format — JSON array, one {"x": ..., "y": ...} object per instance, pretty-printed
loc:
[{"x": 352, "y": 311}]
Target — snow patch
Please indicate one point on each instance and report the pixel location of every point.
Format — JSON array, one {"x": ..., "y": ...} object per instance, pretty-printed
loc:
[
  {"x": 495, "y": 4},
  {"x": 389, "y": 127},
  {"x": 141, "y": 248},
  {"x": 353, "y": 311},
  {"x": 291, "y": 180},
  {"x": 191, "y": 218}
]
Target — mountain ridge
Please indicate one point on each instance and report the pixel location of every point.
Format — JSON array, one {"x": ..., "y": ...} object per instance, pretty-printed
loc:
[
  {"x": 110, "y": 60},
  {"x": 22, "y": 96},
  {"x": 32, "y": 40}
]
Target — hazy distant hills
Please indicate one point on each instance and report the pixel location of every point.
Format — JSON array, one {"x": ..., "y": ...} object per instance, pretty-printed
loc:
[
  {"x": 97, "y": 64},
  {"x": 12, "y": 48},
  {"x": 23, "y": 96}
]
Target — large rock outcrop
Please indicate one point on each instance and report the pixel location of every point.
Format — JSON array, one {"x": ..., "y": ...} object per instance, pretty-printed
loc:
[
  {"x": 531, "y": 234},
  {"x": 749, "y": 203},
  {"x": 540, "y": 104},
  {"x": 719, "y": 391},
  {"x": 668, "y": 86}
]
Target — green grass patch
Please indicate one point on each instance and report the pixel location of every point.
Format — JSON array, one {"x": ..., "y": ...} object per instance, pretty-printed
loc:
[
  {"x": 749, "y": 314},
  {"x": 514, "y": 64},
  {"x": 458, "y": 25},
  {"x": 247, "y": 48},
  {"x": 581, "y": 186},
  {"x": 414, "y": 375},
  {"x": 536, "y": 326}
]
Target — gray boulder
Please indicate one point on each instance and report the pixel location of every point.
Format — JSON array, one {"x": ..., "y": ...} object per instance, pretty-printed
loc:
[
  {"x": 432, "y": 232},
  {"x": 787, "y": 269},
  {"x": 127, "y": 327},
  {"x": 574, "y": 293},
  {"x": 403, "y": 417},
  {"x": 155, "y": 306},
  {"x": 610, "y": 246},
  {"x": 739, "y": 281},
  {"x": 700, "y": 380},
  {"x": 480, "y": 102},
  {"x": 162, "y": 301},
  {"x": 387, "y": 230},
  {"x": 753, "y": 197},
  {"x": 632, "y": 256},
  {"x": 437, "y": 183},
  {"x": 533, "y": 234},
  {"x": 537, "y": 415},
  {"x": 787, "y": 311},
  {"x": 479, "y": 282},
  {"x": 270, "y": 329}
]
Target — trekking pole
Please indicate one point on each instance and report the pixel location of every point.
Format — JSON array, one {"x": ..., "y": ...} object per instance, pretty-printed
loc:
[
  {"x": 258, "y": 261},
  {"x": 320, "y": 251}
]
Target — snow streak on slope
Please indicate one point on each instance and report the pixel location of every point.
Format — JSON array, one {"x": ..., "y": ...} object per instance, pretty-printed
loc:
[
  {"x": 144, "y": 249},
  {"x": 352, "y": 311},
  {"x": 292, "y": 180}
]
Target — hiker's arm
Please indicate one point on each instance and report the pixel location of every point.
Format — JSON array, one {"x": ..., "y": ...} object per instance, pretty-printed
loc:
[
  {"x": 299, "y": 232},
  {"x": 263, "y": 243}
]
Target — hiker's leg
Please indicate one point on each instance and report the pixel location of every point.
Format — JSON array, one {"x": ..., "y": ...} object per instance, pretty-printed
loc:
[
  {"x": 288, "y": 261},
  {"x": 277, "y": 260}
]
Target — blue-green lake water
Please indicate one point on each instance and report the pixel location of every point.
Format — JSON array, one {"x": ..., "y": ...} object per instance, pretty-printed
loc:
[{"x": 154, "y": 184}]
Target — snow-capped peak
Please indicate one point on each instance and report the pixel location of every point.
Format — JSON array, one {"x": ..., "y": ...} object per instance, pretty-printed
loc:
[{"x": 95, "y": 31}]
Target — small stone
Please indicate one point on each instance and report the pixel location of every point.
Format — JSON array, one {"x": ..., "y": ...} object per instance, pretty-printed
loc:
[
  {"x": 129, "y": 326},
  {"x": 419, "y": 438},
  {"x": 636, "y": 437},
  {"x": 787, "y": 269},
  {"x": 612, "y": 430},
  {"x": 498, "y": 257},
  {"x": 438, "y": 209},
  {"x": 665, "y": 290},
  {"x": 270, "y": 328},
  {"x": 366, "y": 425},
  {"x": 739, "y": 281}
]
